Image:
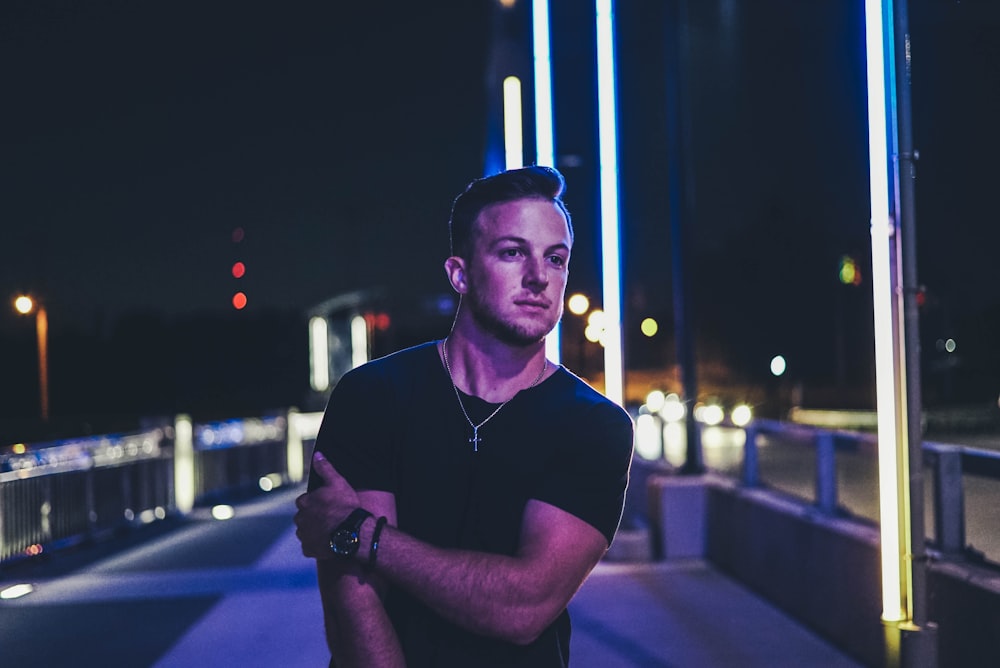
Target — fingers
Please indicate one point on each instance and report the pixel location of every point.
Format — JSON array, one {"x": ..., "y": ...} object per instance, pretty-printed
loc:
[{"x": 324, "y": 469}]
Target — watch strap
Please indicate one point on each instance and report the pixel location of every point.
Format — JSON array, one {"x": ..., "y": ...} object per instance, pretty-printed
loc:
[{"x": 354, "y": 521}]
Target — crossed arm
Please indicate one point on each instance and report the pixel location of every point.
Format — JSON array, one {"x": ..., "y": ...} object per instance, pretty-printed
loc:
[
  {"x": 509, "y": 597},
  {"x": 358, "y": 631}
]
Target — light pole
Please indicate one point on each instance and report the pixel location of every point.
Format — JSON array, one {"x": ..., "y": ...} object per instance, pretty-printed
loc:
[{"x": 25, "y": 305}]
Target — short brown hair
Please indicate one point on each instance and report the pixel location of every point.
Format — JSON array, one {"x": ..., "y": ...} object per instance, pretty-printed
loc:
[{"x": 524, "y": 183}]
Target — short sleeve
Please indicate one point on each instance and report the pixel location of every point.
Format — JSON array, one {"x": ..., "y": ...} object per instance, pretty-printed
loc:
[
  {"x": 354, "y": 435},
  {"x": 590, "y": 476}
]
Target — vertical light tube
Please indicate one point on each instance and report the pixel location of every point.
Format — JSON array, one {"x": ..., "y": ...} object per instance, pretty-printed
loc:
[
  {"x": 544, "y": 134},
  {"x": 513, "y": 133},
  {"x": 545, "y": 153},
  {"x": 359, "y": 341},
  {"x": 184, "y": 481},
  {"x": 294, "y": 459},
  {"x": 614, "y": 386},
  {"x": 319, "y": 354},
  {"x": 893, "y": 608}
]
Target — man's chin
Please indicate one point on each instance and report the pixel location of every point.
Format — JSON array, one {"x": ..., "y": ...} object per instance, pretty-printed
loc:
[{"x": 522, "y": 337}]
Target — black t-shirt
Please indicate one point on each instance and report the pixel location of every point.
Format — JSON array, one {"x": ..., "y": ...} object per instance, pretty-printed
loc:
[{"x": 395, "y": 425}]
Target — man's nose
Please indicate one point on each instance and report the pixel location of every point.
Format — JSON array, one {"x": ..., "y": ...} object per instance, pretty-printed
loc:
[{"x": 535, "y": 275}]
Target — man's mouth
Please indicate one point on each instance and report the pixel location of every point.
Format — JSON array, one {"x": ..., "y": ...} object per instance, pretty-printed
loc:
[{"x": 532, "y": 303}]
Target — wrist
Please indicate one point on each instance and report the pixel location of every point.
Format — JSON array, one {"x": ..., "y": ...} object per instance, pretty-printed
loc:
[
  {"x": 374, "y": 543},
  {"x": 346, "y": 538},
  {"x": 365, "y": 534}
]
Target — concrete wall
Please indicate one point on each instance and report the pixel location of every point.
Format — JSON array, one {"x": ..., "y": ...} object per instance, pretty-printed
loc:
[
  {"x": 825, "y": 572},
  {"x": 822, "y": 571},
  {"x": 964, "y": 600}
]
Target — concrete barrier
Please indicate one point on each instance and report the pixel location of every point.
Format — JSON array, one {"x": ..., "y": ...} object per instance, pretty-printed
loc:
[
  {"x": 678, "y": 505},
  {"x": 821, "y": 570}
]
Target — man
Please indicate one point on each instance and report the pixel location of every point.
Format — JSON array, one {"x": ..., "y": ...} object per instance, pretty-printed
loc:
[{"x": 482, "y": 502}]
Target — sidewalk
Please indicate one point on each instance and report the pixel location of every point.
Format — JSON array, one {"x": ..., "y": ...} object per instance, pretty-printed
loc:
[{"x": 239, "y": 593}]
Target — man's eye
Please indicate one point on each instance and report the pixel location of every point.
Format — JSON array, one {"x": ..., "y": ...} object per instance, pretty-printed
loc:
[
  {"x": 510, "y": 252},
  {"x": 557, "y": 260}
]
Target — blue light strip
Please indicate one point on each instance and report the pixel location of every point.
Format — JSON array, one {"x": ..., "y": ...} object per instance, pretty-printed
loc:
[
  {"x": 544, "y": 133},
  {"x": 614, "y": 386}
]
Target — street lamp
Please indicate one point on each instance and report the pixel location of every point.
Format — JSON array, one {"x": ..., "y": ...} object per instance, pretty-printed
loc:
[{"x": 25, "y": 305}]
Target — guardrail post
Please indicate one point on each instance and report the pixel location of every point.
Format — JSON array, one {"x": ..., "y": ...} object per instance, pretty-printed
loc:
[
  {"x": 949, "y": 504},
  {"x": 826, "y": 473},
  {"x": 751, "y": 469}
]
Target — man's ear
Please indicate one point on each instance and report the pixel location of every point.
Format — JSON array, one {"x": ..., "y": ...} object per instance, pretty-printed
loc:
[{"x": 454, "y": 267}]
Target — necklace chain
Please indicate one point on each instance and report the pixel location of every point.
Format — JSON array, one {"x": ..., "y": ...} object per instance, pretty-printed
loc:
[{"x": 475, "y": 427}]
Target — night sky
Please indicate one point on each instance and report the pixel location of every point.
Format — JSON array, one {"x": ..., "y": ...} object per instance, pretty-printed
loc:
[{"x": 136, "y": 136}]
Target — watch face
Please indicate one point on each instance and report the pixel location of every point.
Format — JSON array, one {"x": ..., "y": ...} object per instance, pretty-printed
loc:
[{"x": 344, "y": 542}]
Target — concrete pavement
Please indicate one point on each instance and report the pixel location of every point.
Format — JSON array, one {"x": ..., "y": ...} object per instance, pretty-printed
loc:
[{"x": 239, "y": 593}]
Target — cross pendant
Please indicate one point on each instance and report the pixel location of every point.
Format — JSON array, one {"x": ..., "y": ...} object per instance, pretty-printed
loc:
[{"x": 475, "y": 439}]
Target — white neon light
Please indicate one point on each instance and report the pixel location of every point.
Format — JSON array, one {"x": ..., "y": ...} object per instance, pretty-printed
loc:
[
  {"x": 319, "y": 354},
  {"x": 359, "y": 341},
  {"x": 545, "y": 153},
  {"x": 513, "y": 138},
  {"x": 544, "y": 134},
  {"x": 294, "y": 457},
  {"x": 184, "y": 484},
  {"x": 614, "y": 386},
  {"x": 885, "y": 371}
]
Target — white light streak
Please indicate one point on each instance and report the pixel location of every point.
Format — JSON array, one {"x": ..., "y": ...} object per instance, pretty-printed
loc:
[
  {"x": 183, "y": 464},
  {"x": 359, "y": 341},
  {"x": 614, "y": 385},
  {"x": 513, "y": 133},
  {"x": 319, "y": 354},
  {"x": 544, "y": 132},
  {"x": 885, "y": 366}
]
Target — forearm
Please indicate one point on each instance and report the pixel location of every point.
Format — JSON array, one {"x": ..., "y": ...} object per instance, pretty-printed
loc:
[
  {"x": 489, "y": 594},
  {"x": 509, "y": 597},
  {"x": 358, "y": 631}
]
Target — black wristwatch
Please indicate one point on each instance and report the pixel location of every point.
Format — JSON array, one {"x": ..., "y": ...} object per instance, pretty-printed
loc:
[{"x": 345, "y": 538}]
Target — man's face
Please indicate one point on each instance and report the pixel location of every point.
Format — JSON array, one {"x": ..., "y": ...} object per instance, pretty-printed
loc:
[{"x": 517, "y": 270}]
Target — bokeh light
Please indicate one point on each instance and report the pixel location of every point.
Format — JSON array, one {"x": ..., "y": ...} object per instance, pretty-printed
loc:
[
  {"x": 578, "y": 304},
  {"x": 23, "y": 304},
  {"x": 778, "y": 365}
]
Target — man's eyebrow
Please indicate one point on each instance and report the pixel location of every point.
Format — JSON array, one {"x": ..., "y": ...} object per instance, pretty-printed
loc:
[
  {"x": 507, "y": 239},
  {"x": 524, "y": 242}
]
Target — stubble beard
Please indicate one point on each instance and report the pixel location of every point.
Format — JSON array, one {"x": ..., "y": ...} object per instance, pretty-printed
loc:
[{"x": 506, "y": 331}]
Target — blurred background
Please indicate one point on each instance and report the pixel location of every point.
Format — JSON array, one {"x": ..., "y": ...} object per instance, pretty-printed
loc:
[{"x": 184, "y": 185}]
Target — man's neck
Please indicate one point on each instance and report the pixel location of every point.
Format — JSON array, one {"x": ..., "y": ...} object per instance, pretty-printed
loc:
[{"x": 490, "y": 369}]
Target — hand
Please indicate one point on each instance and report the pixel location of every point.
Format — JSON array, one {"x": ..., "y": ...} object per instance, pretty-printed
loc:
[{"x": 321, "y": 510}]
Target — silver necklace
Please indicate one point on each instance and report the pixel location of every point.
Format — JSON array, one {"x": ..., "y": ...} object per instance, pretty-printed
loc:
[{"x": 475, "y": 440}]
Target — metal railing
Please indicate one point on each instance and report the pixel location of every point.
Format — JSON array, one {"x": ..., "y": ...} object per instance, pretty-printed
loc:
[
  {"x": 61, "y": 493},
  {"x": 57, "y": 494},
  {"x": 948, "y": 464}
]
